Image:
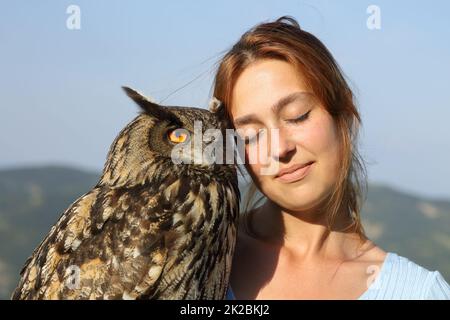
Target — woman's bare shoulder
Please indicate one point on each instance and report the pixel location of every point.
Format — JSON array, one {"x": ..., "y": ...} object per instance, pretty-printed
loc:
[
  {"x": 246, "y": 248},
  {"x": 372, "y": 252},
  {"x": 244, "y": 242},
  {"x": 241, "y": 250},
  {"x": 249, "y": 252}
]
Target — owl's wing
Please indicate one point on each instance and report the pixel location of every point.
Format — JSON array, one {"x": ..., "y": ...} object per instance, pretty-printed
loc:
[{"x": 100, "y": 248}]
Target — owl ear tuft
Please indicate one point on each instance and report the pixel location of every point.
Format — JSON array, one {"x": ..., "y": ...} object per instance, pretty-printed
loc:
[
  {"x": 137, "y": 96},
  {"x": 146, "y": 103},
  {"x": 215, "y": 105}
]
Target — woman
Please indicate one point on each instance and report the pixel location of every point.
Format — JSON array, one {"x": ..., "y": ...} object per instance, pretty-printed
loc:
[{"x": 306, "y": 240}]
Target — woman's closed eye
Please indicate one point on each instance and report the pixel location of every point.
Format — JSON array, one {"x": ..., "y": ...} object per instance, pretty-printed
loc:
[
  {"x": 251, "y": 136},
  {"x": 299, "y": 119}
]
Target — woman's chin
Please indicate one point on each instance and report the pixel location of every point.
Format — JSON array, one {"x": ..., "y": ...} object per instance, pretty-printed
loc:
[{"x": 298, "y": 201}]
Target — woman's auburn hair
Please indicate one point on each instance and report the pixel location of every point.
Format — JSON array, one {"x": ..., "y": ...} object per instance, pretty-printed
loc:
[{"x": 284, "y": 40}]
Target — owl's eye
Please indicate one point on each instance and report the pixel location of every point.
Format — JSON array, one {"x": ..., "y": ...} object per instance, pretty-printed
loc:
[{"x": 178, "y": 135}]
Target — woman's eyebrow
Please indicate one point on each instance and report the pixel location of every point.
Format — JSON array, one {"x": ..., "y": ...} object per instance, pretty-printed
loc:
[{"x": 277, "y": 107}]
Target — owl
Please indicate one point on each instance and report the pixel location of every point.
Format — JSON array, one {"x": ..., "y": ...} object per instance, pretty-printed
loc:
[{"x": 155, "y": 226}]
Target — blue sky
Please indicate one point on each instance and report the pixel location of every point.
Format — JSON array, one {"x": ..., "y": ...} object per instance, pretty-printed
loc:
[{"x": 61, "y": 102}]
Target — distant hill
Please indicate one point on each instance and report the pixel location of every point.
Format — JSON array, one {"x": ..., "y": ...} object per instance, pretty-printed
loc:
[
  {"x": 410, "y": 225},
  {"x": 32, "y": 199}
]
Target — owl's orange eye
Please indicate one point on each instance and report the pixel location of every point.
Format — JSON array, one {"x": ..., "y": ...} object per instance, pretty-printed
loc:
[{"x": 178, "y": 135}]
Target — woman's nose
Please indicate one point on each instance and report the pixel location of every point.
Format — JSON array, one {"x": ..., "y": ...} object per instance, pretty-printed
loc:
[{"x": 281, "y": 145}]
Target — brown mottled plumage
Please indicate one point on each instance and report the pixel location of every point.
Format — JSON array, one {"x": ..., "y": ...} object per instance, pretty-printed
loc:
[{"x": 150, "y": 229}]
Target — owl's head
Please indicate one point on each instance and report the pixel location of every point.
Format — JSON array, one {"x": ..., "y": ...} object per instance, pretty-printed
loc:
[{"x": 166, "y": 141}]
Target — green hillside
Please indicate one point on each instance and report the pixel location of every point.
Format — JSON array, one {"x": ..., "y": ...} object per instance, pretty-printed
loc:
[{"x": 31, "y": 201}]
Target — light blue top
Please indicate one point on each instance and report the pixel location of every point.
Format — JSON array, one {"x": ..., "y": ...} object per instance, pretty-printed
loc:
[{"x": 401, "y": 279}]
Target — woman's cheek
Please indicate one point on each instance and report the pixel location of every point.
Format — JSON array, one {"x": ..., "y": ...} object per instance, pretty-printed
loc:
[
  {"x": 323, "y": 142},
  {"x": 319, "y": 135}
]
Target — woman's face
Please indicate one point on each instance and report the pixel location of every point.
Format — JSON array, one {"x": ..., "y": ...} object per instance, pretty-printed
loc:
[{"x": 296, "y": 130}]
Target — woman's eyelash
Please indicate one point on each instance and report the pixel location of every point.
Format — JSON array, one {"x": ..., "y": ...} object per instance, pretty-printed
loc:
[
  {"x": 300, "y": 119},
  {"x": 303, "y": 117}
]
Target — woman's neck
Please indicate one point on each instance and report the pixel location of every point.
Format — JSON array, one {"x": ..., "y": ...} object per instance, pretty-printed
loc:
[{"x": 306, "y": 234}]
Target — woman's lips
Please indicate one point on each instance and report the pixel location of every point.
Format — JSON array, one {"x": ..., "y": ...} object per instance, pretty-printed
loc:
[{"x": 297, "y": 173}]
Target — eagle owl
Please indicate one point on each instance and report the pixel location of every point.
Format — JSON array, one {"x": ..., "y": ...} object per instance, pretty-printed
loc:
[{"x": 151, "y": 228}]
